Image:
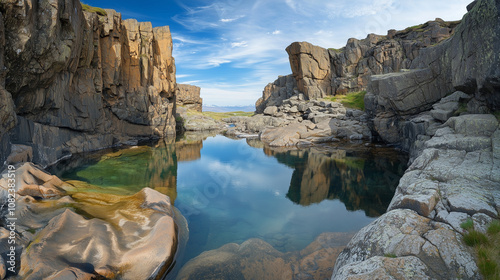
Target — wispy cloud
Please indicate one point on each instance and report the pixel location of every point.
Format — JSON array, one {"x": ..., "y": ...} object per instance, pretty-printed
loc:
[{"x": 236, "y": 47}]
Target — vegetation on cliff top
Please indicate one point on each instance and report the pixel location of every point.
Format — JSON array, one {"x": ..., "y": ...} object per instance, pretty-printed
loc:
[
  {"x": 486, "y": 246},
  {"x": 99, "y": 11},
  {"x": 353, "y": 100}
]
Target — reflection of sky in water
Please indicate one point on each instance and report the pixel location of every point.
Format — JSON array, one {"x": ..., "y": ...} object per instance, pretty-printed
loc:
[{"x": 235, "y": 192}]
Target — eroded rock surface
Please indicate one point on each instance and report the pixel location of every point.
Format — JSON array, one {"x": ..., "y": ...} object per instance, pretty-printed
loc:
[
  {"x": 189, "y": 97},
  {"x": 79, "y": 81},
  {"x": 84, "y": 235}
]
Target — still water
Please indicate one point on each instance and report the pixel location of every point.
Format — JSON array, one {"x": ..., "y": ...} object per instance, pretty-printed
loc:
[{"x": 231, "y": 190}]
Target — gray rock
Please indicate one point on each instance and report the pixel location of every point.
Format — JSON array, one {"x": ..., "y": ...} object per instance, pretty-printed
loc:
[
  {"x": 481, "y": 222},
  {"x": 271, "y": 110},
  {"x": 402, "y": 268},
  {"x": 474, "y": 125}
]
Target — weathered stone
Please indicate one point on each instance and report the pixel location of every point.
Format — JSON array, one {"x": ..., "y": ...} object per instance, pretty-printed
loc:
[
  {"x": 275, "y": 93},
  {"x": 189, "y": 97},
  {"x": 402, "y": 233},
  {"x": 90, "y": 78},
  {"x": 271, "y": 110},
  {"x": 311, "y": 69},
  {"x": 385, "y": 268},
  {"x": 474, "y": 125}
]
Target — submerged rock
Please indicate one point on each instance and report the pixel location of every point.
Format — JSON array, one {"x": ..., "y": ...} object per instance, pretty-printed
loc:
[{"x": 257, "y": 259}]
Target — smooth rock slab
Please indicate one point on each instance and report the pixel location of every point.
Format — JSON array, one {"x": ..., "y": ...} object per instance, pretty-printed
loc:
[
  {"x": 384, "y": 268},
  {"x": 404, "y": 233},
  {"x": 134, "y": 237}
]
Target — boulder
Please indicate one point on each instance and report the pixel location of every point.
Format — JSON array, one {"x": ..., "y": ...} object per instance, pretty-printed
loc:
[{"x": 271, "y": 111}]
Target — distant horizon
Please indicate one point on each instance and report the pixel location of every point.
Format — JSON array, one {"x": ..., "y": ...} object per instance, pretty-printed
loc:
[{"x": 232, "y": 49}]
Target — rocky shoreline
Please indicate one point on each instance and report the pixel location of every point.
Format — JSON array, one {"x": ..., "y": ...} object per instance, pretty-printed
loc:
[{"x": 433, "y": 91}]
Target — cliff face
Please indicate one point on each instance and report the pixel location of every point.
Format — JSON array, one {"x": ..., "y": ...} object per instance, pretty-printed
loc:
[
  {"x": 319, "y": 72},
  {"x": 189, "y": 97},
  {"x": 79, "y": 81},
  {"x": 468, "y": 62}
]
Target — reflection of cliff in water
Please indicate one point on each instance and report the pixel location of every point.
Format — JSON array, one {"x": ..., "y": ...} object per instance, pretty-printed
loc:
[{"x": 364, "y": 180}]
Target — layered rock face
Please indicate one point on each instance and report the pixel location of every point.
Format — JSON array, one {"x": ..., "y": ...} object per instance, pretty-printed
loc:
[
  {"x": 189, "y": 97},
  {"x": 454, "y": 149},
  {"x": 80, "y": 81},
  {"x": 468, "y": 62},
  {"x": 319, "y": 72}
]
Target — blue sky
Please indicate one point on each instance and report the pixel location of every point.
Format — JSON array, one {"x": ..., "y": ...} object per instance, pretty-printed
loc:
[{"x": 233, "y": 48}]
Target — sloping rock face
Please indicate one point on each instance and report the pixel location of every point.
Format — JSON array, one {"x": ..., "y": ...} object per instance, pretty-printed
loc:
[
  {"x": 467, "y": 62},
  {"x": 126, "y": 237},
  {"x": 189, "y": 97},
  {"x": 80, "y": 81}
]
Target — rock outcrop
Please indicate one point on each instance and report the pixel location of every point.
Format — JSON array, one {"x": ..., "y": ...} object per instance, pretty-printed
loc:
[
  {"x": 467, "y": 62},
  {"x": 454, "y": 149},
  {"x": 189, "y": 97},
  {"x": 319, "y": 72},
  {"x": 133, "y": 237},
  {"x": 274, "y": 93},
  {"x": 80, "y": 81},
  {"x": 298, "y": 121}
]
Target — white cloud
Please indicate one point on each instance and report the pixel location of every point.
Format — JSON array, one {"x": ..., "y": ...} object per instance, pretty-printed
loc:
[
  {"x": 239, "y": 44},
  {"x": 259, "y": 55}
]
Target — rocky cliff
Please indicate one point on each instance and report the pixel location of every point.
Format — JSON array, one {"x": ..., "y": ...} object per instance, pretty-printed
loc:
[
  {"x": 319, "y": 72},
  {"x": 454, "y": 147},
  {"x": 76, "y": 81},
  {"x": 189, "y": 97}
]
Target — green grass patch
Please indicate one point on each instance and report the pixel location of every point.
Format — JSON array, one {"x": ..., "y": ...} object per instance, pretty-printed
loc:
[
  {"x": 99, "y": 11},
  {"x": 336, "y": 50},
  {"x": 390, "y": 256},
  {"x": 417, "y": 28},
  {"x": 487, "y": 247},
  {"x": 473, "y": 238},
  {"x": 221, "y": 115},
  {"x": 353, "y": 100},
  {"x": 494, "y": 228},
  {"x": 467, "y": 225}
]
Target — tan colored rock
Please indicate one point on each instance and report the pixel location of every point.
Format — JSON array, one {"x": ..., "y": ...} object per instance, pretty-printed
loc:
[
  {"x": 88, "y": 79},
  {"x": 189, "y": 97},
  {"x": 310, "y": 63}
]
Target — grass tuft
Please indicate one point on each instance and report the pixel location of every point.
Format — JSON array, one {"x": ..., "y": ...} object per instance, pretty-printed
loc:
[
  {"x": 90, "y": 9},
  {"x": 467, "y": 225},
  {"x": 390, "y": 255},
  {"x": 353, "y": 100},
  {"x": 487, "y": 247},
  {"x": 494, "y": 228},
  {"x": 474, "y": 238}
]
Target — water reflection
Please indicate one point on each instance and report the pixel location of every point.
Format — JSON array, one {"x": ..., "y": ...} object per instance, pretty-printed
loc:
[
  {"x": 232, "y": 190},
  {"x": 362, "y": 180}
]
